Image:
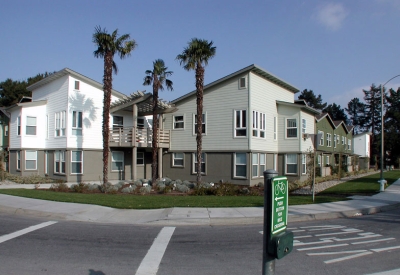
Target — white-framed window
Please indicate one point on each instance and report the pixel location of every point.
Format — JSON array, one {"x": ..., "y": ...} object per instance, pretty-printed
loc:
[
  {"x": 76, "y": 162},
  {"x": 140, "y": 158},
  {"x": 240, "y": 123},
  {"x": 19, "y": 125},
  {"x": 242, "y": 83},
  {"x": 18, "y": 160},
  {"x": 275, "y": 128},
  {"x": 321, "y": 140},
  {"x": 240, "y": 165},
  {"x": 349, "y": 161},
  {"x": 328, "y": 160},
  {"x": 203, "y": 128},
  {"x": 328, "y": 139},
  {"x": 76, "y": 85},
  {"x": 59, "y": 162},
  {"x": 258, "y": 124},
  {"x": 303, "y": 125},
  {"x": 291, "y": 163},
  {"x": 46, "y": 162},
  {"x": 178, "y": 159},
  {"x": 6, "y": 130},
  {"x": 343, "y": 140},
  {"x": 117, "y": 160},
  {"x": 334, "y": 141},
  {"x": 178, "y": 122},
  {"x": 31, "y": 125},
  {"x": 304, "y": 164},
  {"x": 319, "y": 160},
  {"x": 291, "y": 128},
  {"x": 30, "y": 160},
  {"x": 258, "y": 165},
  {"x": 349, "y": 144},
  {"x": 203, "y": 163},
  {"x": 118, "y": 122},
  {"x": 60, "y": 118},
  {"x": 76, "y": 123}
]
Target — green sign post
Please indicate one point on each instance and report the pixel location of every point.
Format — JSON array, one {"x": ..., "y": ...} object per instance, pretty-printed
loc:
[{"x": 278, "y": 242}]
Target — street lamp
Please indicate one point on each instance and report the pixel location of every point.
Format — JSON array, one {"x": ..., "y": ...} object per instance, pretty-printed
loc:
[{"x": 382, "y": 181}]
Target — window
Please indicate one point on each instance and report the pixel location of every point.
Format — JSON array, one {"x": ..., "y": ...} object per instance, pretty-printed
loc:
[
  {"x": 60, "y": 124},
  {"x": 343, "y": 142},
  {"x": 334, "y": 141},
  {"x": 117, "y": 161},
  {"x": 291, "y": 164},
  {"x": 242, "y": 83},
  {"x": 328, "y": 161},
  {"x": 140, "y": 122},
  {"x": 258, "y": 124},
  {"x": 240, "y": 123},
  {"x": 291, "y": 128},
  {"x": 321, "y": 140},
  {"x": 76, "y": 123},
  {"x": 118, "y": 122},
  {"x": 203, "y": 122},
  {"x": 240, "y": 165},
  {"x": 177, "y": 159},
  {"x": 6, "y": 130},
  {"x": 349, "y": 144},
  {"x": 303, "y": 125},
  {"x": 30, "y": 160},
  {"x": 140, "y": 158},
  {"x": 178, "y": 122},
  {"x": 76, "y": 162},
  {"x": 304, "y": 164},
  {"x": 275, "y": 128},
  {"x": 31, "y": 125},
  {"x": 328, "y": 140},
  {"x": 348, "y": 160},
  {"x": 77, "y": 85},
  {"x": 319, "y": 160},
  {"x": 338, "y": 139},
  {"x": 46, "y": 162},
  {"x": 19, "y": 126},
  {"x": 59, "y": 162},
  {"x": 258, "y": 165},
  {"x": 18, "y": 160},
  {"x": 203, "y": 163}
]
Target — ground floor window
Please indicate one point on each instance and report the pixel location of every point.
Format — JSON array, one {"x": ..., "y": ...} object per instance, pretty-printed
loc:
[
  {"x": 18, "y": 160},
  {"x": 76, "y": 162},
  {"x": 203, "y": 163},
  {"x": 59, "y": 162},
  {"x": 140, "y": 158},
  {"x": 258, "y": 165},
  {"x": 327, "y": 160},
  {"x": 117, "y": 161},
  {"x": 240, "y": 165},
  {"x": 30, "y": 160},
  {"x": 177, "y": 159},
  {"x": 291, "y": 163},
  {"x": 304, "y": 164}
]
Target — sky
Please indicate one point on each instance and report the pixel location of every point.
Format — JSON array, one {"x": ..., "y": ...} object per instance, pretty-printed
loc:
[{"x": 335, "y": 48}]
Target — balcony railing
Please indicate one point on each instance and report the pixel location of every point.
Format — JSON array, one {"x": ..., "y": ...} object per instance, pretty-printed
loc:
[{"x": 142, "y": 137}]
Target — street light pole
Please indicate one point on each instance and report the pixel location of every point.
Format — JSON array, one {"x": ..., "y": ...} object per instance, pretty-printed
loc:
[{"x": 382, "y": 181}]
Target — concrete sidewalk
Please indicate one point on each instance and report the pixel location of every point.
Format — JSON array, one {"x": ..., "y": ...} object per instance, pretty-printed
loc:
[{"x": 359, "y": 205}]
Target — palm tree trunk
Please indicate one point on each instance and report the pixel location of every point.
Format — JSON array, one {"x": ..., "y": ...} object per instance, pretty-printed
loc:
[
  {"x": 155, "y": 131},
  {"x": 107, "y": 82},
  {"x": 199, "y": 102}
]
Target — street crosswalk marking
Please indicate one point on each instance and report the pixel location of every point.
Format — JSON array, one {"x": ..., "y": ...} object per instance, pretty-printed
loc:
[{"x": 24, "y": 231}]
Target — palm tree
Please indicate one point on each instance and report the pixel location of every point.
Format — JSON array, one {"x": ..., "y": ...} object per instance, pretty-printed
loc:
[
  {"x": 195, "y": 57},
  {"x": 157, "y": 77},
  {"x": 107, "y": 46}
]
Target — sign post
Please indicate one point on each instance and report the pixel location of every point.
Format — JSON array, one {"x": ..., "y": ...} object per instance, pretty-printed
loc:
[{"x": 277, "y": 241}]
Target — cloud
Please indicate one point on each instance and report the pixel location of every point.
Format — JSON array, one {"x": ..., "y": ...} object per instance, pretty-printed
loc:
[{"x": 331, "y": 15}]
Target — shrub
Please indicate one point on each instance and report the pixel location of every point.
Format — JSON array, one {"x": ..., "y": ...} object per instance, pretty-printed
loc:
[
  {"x": 127, "y": 190},
  {"x": 108, "y": 188},
  {"x": 182, "y": 188},
  {"x": 94, "y": 187},
  {"x": 59, "y": 187},
  {"x": 80, "y": 187},
  {"x": 145, "y": 190},
  {"x": 226, "y": 189}
]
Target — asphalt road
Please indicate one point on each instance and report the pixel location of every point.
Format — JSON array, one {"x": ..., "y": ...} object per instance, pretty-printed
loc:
[{"x": 361, "y": 245}]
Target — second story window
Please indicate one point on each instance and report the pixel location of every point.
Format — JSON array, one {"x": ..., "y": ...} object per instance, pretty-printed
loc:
[
  {"x": 31, "y": 125},
  {"x": 60, "y": 124},
  {"x": 203, "y": 128},
  {"x": 19, "y": 126},
  {"x": 6, "y": 130},
  {"x": 178, "y": 122},
  {"x": 118, "y": 122},
  {"x": 349, "y": 144},
  {"x": 321, "y": 139},
  {"x": 303, "y": 126},
  {"x": 291, "y": 128},
  {"x": 334, "y": 141},
  {"x": 258, "y": 124},
  {"x": 328, "y": 139},
  {"x": 76, "y": 85},
  {"x": 240, "y": 123},
  {"x": 76, "y": 123}
]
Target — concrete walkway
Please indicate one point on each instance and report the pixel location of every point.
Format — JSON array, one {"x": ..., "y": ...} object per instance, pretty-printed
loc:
[{"x": 359, "y": 205}]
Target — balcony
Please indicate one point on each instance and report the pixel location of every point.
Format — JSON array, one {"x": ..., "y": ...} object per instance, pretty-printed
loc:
[{"x": 142, "y": 137}]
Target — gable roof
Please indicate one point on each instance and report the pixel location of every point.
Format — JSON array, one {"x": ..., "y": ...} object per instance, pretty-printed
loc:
[
  {"x": 67, "y": 71},
  {"x": 299, "y": 105},
  {"x": 253, "y": 68}
]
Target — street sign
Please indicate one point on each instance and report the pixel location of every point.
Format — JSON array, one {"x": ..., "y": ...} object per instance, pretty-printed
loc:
[{"x": 279, "y": 204}]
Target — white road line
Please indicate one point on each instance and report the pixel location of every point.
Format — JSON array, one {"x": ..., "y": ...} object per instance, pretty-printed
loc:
[
  {"x": 298, "y": 243},
  {"x": 388, "y": 272},
  {"x": 385, "y": 249},
  {"x": 357, "y": 238},
  {"x": 24, "y": 231},
  {"x": 347, "y": 258},
  {"x": 337, "y": 233},
  {"x": 374, "y": 241},
  {"x": 336, "y": 253},
  {"x": 301, "y": 237},
  {"x": 151, "y": 262},
  {"x": 321, "y": 247}
]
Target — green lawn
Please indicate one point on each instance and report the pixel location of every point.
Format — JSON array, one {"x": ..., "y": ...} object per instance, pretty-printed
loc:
[{"x": 365, "y": 185}]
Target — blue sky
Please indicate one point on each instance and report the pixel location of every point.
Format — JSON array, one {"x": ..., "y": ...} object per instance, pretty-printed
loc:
[{"x": 335, "y": 48}]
